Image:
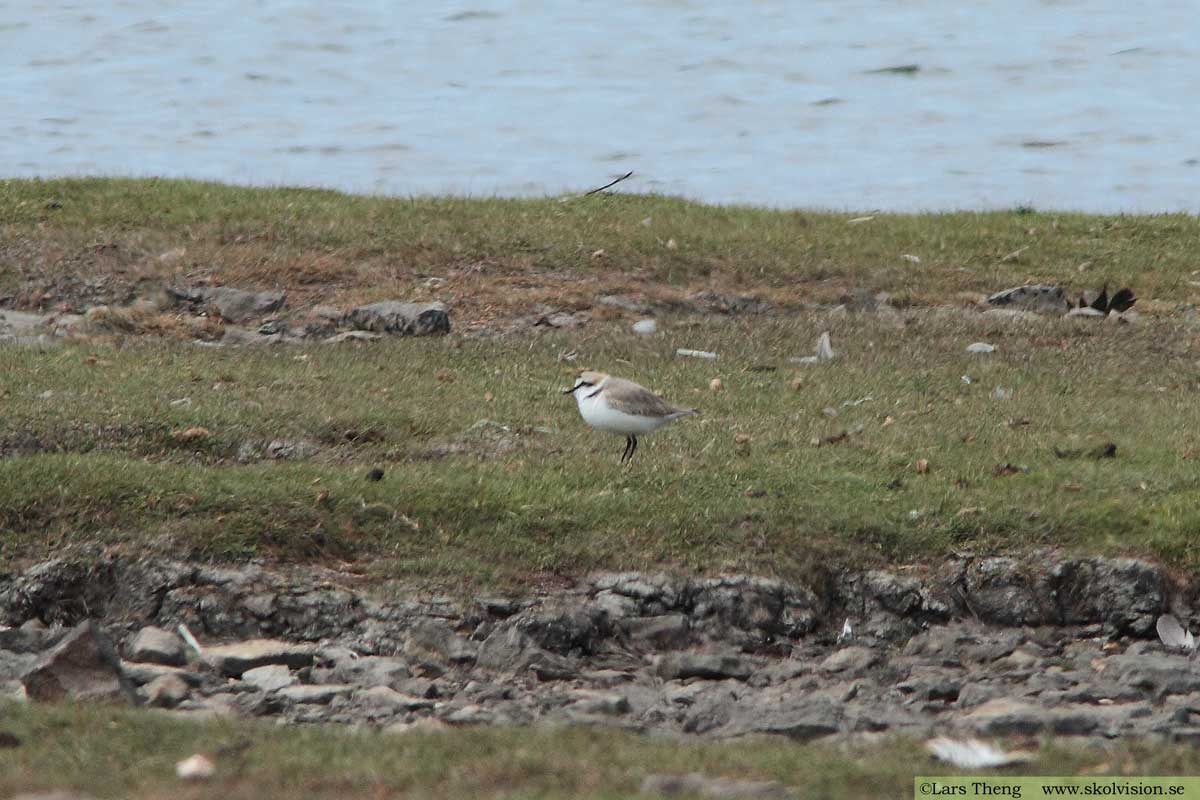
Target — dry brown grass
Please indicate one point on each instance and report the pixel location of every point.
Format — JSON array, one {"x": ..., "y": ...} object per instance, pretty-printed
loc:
[{"x": 81, "y": 241}]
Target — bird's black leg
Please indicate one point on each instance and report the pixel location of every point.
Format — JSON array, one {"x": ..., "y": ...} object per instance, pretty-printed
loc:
[{"x": 630, "y": 446}]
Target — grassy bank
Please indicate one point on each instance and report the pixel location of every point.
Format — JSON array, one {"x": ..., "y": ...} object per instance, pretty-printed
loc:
[
  {"x": 490, "y": 475},
  {"x": 905, "y": 447},
  {"x": 493, "y": 257},
  {"x": 125, "y": 754}
]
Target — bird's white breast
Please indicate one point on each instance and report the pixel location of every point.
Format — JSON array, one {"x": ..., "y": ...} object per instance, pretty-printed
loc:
[{"x": 600, "y": 415}]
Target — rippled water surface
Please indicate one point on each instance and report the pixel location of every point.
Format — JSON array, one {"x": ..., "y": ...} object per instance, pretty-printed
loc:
[{"x": 864, "y": 105}]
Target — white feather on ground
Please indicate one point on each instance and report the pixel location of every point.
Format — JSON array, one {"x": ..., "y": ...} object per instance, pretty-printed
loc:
[
  {"x": 824, "y": 347},
  {"x": 972, "y": 753},
  {"x": 1173, "y": 634}
]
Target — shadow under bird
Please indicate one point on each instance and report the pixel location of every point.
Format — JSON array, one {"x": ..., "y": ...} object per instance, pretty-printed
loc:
[{"x": 615, "y": 405}]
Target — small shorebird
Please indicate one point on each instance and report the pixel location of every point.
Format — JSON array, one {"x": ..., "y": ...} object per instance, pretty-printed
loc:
[{"x": 615, "y": 405}]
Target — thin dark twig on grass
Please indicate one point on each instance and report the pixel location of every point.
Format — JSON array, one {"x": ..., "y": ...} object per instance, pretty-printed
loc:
[{"x": 610, "y": 184}]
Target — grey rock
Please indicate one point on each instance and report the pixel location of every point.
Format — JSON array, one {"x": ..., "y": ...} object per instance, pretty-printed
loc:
[
  {"x": 235, "y": 659},
  {"x": 81, "y": 667},
  {"x": 233, "y": 305},
  {"x": 56, "y": 590},
  {"x": 469, "y": 715},
  {"x": 405, "y": 319},
  {"x": 652, "y": 594},
  {"x": 269, "y": 678},
  {"x": 236, "y": 305},
  {"x": 850, "y": 659},
  {"x": 695, "y": 784},
  {"x": 1089, "y": 720},
  {"x": 27, "y": 641},
  {"x": 894, "y": 593},
  {"x": 315, "y": 695},
  {"x": 235, "y": 337},
  {"x": 273, "y": 327},
  {"x": 605, "y": 703},
  {"x": 624, "y": 302},
  {"x": 154, "y": 645},
  {"x": 704, "y": 665},
  {"x": 944, "y": 642},
  {"x": 389, "y": 699},
  {"x": 992, "y": 646},
  {"x": 142, "y": 673},
  {"x": 975, "y": 693},
  {"x": 799, "y": 718},
  {"x": 569, "y": 630},
  {"x": 1000, "y": 591},
  {"x": 508, "y": 651},
  {"x": 615, "y": 606},
  {"x": 166, "y": 691},
  {"x": 368, "y": 671},
  {"x": 606, "y": 678},
  {"x": 1155, "y": 674},
  {"x": 354, "y": 336},
  {"x": 1004, "y": 716},
  {"x": 290, "y": 450},
  {"x": 1023, "y": 659},
  {"x": 500, "y": 606},
  {"x": 1034, "y": 297},
  {"x": 933, "y": 683},
  {"x": 663, "y": 632},
  {"x": 322, "y": 321},
  {"x": 759, "y": 608},
  {"x": 563, "y": 320},
  {"x": 1126, "y": 595},
  {"x": 714, "y": 302},
  {"x": 436, "y": 637},
  {"x": 419, "y": 687},
  {"x": 1186, "y": 733}
]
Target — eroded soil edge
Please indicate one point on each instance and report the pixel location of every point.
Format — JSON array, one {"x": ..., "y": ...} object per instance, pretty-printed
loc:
[{"x": 990, "y": 646}]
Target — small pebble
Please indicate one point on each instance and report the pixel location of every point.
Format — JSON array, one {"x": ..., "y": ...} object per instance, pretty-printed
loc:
[
  {"x": 687, "y": 353},
  {"x": 715, "y": 384},
  {"x": 375, "y": 474},
  {"x": 195, "y": 768},
  {"x": 645, "y": 327}
]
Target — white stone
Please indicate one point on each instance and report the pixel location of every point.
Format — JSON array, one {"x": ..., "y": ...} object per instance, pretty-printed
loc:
[{"x": 645, "y": 327}]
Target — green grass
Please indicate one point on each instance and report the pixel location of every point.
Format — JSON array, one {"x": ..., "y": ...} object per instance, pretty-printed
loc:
[
  {"x": 107, "y": 454},
  {"x": 103, "y": 456},
  {"x": 116, "y": 753},
  {"x": 322, "y": 245}
]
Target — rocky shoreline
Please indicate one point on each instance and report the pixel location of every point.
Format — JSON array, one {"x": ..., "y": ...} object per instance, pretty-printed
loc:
[{"x": 973, "y": 646}]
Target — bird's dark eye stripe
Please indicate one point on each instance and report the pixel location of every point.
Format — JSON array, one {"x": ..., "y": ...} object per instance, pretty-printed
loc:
[{"x": 586, "y": 383}]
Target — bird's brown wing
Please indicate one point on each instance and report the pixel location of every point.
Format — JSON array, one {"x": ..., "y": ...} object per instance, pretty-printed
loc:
[{"x": 638, "y": 400}]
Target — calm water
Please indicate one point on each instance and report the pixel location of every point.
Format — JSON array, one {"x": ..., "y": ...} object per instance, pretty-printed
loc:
[{"x": 1052, "y": 103}]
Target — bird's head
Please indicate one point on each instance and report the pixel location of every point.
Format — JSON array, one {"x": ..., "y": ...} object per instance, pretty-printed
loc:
[{"x": 585, "y": 379}]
